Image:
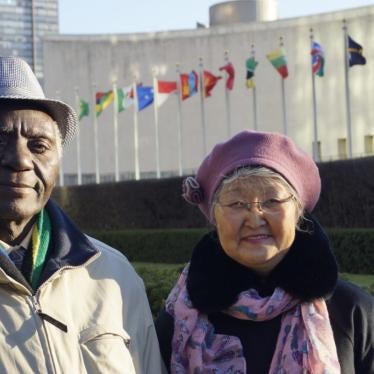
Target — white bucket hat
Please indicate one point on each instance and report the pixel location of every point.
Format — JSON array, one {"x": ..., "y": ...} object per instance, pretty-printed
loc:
[{"x": 18, "y": 83}]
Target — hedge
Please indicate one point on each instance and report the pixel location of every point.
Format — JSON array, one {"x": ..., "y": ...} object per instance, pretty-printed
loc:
[
  {"x": 160, "y": 278},
  {"x": 346, "y": 201},
  {"x": 353, "y": 248}
]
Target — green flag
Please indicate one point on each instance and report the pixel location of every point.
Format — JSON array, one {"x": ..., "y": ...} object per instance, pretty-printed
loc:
[
  {"x": 84, "y": 109},
  {"x": 124, "y": 98},
  {"x": 251, "y": 64}
]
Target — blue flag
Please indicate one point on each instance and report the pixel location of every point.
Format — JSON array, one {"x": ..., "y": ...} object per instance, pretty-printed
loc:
[
  {"x": 355, "y": 56},
  {"x": 145, "y": 96}
]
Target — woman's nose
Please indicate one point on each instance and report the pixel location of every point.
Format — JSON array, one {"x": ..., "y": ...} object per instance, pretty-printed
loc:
[{"x": 254, "y": 217}]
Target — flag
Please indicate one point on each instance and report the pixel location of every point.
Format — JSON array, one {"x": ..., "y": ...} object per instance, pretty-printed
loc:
[
  {"x": 103, "y": 100},
  {"x": 355, "y": 56},
  {"x": 318, "y": 59},
  {"x": 125, "y": 98},
  {"x": 189, "y": 84},
  {"x": 278, "y": 60},
  {"x": 229, "y": 69},
  {"x": 84, "y": 109},
  {"x": 209, "y": 81},
  {"x": 251, "y": 64},
  {"x": 164, "y": 89},
  {"x": 145, "y": 96}
]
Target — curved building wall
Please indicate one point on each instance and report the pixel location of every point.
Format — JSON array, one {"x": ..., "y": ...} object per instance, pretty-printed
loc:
[
  {"x": 230, "y": 12},
  {"x": 81, "y": 61}
]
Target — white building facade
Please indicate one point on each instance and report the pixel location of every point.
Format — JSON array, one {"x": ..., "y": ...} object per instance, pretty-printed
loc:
[{"x": 86, "y": 64}]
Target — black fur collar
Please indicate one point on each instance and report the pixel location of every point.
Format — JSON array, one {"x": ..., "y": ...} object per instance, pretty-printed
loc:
[{"x": 308, "y": 271}]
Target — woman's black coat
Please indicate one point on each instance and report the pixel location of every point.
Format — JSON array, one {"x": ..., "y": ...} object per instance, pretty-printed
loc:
[{"x": 308, "y": 271}]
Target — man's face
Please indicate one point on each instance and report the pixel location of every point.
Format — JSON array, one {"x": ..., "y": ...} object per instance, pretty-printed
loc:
[{"x": 29, "y": 162}]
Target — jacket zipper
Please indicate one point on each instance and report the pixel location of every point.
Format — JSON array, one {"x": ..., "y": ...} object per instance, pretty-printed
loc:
[
  {"x": 43, "y": 334},
  {"x": 44, "y": 316},
  {"x": 48, "y": 318},
  {"x": 36, "y": 308}
]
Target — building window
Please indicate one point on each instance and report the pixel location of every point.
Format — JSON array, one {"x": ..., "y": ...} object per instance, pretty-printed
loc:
[
  {"x": 369, "y": 144},
  {"x": 342, "y": 148}
]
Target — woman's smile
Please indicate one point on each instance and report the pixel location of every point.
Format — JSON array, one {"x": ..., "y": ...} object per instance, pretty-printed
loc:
[{"x": 256, "y": 238}]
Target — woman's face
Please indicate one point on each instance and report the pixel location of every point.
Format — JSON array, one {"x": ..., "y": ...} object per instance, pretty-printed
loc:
[{"x": 256, "y": 239}]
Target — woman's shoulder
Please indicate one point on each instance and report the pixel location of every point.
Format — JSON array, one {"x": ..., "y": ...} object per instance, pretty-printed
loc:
[
  {"x": 349, "y": 295},
  {"x": 351, "y": 309}
]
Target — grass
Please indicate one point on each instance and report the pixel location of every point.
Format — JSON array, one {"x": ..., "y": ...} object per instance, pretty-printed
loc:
[
  {"x": 366, "y": 281},
  {"x": 160, "y": 278}
]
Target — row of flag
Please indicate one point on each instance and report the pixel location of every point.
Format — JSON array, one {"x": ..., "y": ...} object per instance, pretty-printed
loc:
[{"x": 189, "y": 82}]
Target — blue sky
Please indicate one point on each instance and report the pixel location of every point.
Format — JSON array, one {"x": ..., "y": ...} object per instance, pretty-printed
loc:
[{"x": 125, "y": 16}]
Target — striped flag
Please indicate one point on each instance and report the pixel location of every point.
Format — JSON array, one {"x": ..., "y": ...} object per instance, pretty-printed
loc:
[
  {"x": 125, "y": 98},
  {"x": 278, "y": 60},
  {"x": 103, "y": 100},
  {"x": 164, "y": 89},
  {"x": 318, "y": 59},
  {"x": 251, "y": 64}
]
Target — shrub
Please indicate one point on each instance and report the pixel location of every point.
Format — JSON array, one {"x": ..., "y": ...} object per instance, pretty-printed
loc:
[
  {"x": 158, "y": 281},
  {"x": 353, "y": 248}
]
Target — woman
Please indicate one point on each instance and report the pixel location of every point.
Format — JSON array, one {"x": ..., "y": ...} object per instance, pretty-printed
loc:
[{"x": 260, "y": 294}]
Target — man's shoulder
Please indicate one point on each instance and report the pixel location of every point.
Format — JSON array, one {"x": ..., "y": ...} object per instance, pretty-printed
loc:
[
  {"x": 114, "y": 261},
  {"x": 108, "y": 251}
]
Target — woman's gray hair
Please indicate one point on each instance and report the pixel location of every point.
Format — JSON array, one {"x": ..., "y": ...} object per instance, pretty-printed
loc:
[{"x": 269, "y": 177}]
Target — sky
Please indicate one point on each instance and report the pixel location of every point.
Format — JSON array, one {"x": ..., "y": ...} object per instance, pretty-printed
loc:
[{"x": 128, "y": 16}]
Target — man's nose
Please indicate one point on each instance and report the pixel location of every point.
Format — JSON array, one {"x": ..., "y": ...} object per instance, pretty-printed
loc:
[{"x": 17, "y": 156}]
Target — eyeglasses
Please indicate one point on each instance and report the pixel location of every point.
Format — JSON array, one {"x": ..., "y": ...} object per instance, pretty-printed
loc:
[{"x": 269, "y": 206}]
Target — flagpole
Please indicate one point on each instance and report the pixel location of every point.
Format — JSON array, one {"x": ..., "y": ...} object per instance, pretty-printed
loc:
[
  {"x": 155, "y": 108},
  {"x": 347, "y": 90},
  {"x": 227, "y": 98},
  {"x": 136, "y": 135},
  {"x": 202, "y": 107},
  {"x": 285, "y": 125},
  {"x": 96, "y": 144},
  {"x": 115, "y": 130},
  {"x": 77, "y": 137},
  {"x": 315, "y": 127},
  {"x": 179, "y": 122},
  {"x": 254, "y": 96},
  {"x": 61, "y": 170}
]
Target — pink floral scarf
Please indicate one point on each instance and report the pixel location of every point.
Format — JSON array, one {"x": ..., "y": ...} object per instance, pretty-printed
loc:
[{"x": 305, "y": 343}]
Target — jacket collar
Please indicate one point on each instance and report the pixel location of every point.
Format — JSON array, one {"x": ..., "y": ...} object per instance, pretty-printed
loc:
[
  {"x": 307, "y": 272},
  {"x": 68, "y": 246}
]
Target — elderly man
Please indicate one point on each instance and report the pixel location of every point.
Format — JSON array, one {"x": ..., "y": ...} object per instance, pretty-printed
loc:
[{"x": 68, "y": 303}]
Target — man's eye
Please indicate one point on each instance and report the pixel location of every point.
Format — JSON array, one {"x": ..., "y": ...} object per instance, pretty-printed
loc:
[{"x": 38, "y": 147}]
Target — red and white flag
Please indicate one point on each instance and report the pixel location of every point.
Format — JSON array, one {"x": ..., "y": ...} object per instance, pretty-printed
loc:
[{"x": 164, "y": 89}]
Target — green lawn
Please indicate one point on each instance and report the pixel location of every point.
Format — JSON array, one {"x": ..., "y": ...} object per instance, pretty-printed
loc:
[{"x": 160, "y": 278}]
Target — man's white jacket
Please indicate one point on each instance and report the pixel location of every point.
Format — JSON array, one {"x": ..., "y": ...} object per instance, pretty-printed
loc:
[{"x": 90, "y": 313}]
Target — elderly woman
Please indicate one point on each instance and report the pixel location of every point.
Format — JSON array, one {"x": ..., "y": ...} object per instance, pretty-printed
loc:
[{"x": 260, "y": 294}]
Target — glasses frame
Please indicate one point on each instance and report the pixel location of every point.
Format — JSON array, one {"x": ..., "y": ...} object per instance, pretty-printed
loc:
[{"x": 247, "y": 205}]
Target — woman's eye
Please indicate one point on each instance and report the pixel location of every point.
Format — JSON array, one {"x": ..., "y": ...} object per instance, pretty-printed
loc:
[
  {"x": 270, "y": 203},
  {"x": 237, "y": 204}
]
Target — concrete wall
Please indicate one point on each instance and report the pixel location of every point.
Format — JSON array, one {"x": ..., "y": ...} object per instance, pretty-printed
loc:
[{"x": 81, "y": 61}]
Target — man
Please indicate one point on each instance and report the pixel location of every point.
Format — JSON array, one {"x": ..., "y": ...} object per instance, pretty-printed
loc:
[{"x": 68, "y": 303}]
